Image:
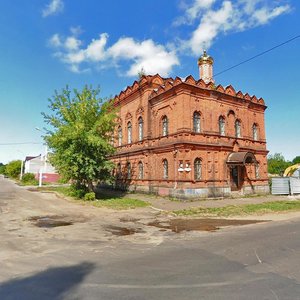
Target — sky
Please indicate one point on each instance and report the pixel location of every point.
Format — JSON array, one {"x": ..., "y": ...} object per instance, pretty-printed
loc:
[{"x": 48, "y": 44}]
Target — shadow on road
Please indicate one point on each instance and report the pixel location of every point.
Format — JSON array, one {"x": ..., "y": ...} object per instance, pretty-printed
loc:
[{"x": 52, "y": 284}]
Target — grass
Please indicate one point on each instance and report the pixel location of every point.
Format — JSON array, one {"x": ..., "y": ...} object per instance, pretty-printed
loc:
[
  {"x": 239, "y": 210},
  {"x": 120, "y": 203},
  {"x": 103, "y": 200}
]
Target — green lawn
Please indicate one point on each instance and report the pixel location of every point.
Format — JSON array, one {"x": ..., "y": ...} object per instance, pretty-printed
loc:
[
  {"x": 239, "y": 210},
  {"x": 103, "y": 200}
]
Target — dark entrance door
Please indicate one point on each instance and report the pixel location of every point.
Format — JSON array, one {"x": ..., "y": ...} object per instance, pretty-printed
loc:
[{"x": 236, "y": 177}]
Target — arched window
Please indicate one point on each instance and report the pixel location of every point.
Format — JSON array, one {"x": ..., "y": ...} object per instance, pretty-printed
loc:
[
  {"x": 197, "y": 169},
  {"x": 165, "y": 169},
  {"x": 257, "y": 175},
  {"x": 222, "y": 126},
  {"x": 165, "y": 125},
  {"x": 129, "y": 133},
  {"x": 119, "y": 171},
  {"x": 128, "y": 170},
  {"x": 238, "y": 128},
  {"x": 141, "y": 170},
  {"x": 141, "y": 129},
  {"x": 255, "y": 132},
  {"x": 119, "y": 136},
  {"x": 196, "y": 122}
]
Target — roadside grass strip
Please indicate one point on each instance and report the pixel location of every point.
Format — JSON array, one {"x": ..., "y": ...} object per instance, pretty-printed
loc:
[
  {"x": 120, "y": 203},
  {"x": 240, "y": 210},
  {"x": 103, "y": 200}
]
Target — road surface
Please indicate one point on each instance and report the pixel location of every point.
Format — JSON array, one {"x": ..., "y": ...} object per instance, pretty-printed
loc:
[{"x": 88, "y": 260}]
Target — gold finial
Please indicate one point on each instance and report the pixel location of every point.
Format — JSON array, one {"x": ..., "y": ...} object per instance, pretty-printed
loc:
[{"x": 205, "y": 58}]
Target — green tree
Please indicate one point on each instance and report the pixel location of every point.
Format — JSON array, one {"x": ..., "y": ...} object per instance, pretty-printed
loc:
[
  {"x": 13, "y": 169},
  {"x": 82, "y": 127},
  {"x": 2, "y": 168},
  {"x": 277, "y": 164},
  {"x": 296, "y": 160}
]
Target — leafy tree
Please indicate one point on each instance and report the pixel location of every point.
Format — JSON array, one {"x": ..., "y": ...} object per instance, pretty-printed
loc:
[
  {"x": 2, "y": 168},
  {"x": 277, "y": 164},
  {"x": 13, "y": 168},
  {"x": 296, "y": 160},
  {"x": 82, "y": 127}
]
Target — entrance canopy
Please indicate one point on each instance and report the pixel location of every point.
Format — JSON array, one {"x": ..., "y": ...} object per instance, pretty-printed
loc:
[{"x": 241, "y": 158}]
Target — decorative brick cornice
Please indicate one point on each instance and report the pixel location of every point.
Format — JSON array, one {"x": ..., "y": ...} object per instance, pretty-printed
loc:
[{"x": 161, "y": 85}]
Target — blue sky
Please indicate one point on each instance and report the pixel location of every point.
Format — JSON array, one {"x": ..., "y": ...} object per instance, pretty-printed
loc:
[{"x": 46, "y": 44}]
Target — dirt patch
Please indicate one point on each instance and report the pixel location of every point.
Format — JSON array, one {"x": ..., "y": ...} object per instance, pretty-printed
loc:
[
  {"x": 121, "y": 231},
  {"x": 179, "y": 225},
  {"x": 53, "y": 221}
]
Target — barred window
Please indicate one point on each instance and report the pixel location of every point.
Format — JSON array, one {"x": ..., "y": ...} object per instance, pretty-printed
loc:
[
  {"x": 141, "y": 129},
  {"x": 255, "y": 132},
  {"x": 257, "y": 175},
  {"x": 222, "y": 126},
  {"x": 129, "y": 133},
  {"x": 197, "y": 169},
  {"x": 165, "y": 126},
  {"x": 128, "y": 170},
  {"x": 165, "y": 169},
  {"x": 238, "y": 129},
  {"x": 141, "y": 170},
  {"x": 119, "y": 171},
  {"x": 120, "y": 136},
  {"x": 196, "y": 122}
]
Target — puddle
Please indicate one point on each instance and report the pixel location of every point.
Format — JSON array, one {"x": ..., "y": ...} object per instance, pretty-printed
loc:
[
  {"x": 179, "y": 225},
  {"x": 50, "y": 221},
  {"x": 129, "y": 219},
  {"x": 32, "y": 190},
  {"x": 121, "y": 231}
]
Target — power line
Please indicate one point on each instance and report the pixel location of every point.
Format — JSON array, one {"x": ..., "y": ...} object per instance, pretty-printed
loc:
[
  {"x": 257, "y": 55},
  {"x": 24, "y": 143}
]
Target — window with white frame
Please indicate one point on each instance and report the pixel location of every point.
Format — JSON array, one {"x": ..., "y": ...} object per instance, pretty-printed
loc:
[
  {"x": 141, "y": 128},
  {"x": 119, "y": 136},
  {"x": 238, "y": 133},
  {"x": 255, "y": 132},
  {"x": 196, "y": 122},
  {"x": 141, "y": 170},
  {"x": 197, "y": 169},
  {"x": 222, "y": 126},
  {"x": 165, "y": 169},
  {"x": 128, "y": 170},
  {"x": 129, "y": 133},
  {"x": 257, "y": 175},
  {"x": 165, "y": 126}
]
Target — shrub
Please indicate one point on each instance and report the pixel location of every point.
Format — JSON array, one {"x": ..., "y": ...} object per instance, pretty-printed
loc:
[
  {"x": 77, "y": 191},
  {"x": 29, "y": 178},
  {"x": 90, "y": 196}
]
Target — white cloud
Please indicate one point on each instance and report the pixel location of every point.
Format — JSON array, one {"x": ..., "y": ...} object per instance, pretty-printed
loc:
[
  {"x": 146, "y": 55},
  {"x": 54, "y": 7},
  {"x": 208, "y": 19},
  {"x": 153, "y": 58},
  {"x": 95, "y": 51},
  {"x": 72, "y": 43},
  {"x": 264, "y": 15},
  {"x": 211, "y": 24},
  {"x": 55, "y": 40},
  {"x": 226, "y": 16}
]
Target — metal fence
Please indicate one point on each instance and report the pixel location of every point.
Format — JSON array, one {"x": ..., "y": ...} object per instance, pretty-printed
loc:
[
  {"x": 295, "y": 185},
  {"x": 285, "y": 186}
]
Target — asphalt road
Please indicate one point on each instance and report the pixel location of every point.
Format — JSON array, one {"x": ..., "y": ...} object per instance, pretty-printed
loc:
[{"x": 86, "y": 261}]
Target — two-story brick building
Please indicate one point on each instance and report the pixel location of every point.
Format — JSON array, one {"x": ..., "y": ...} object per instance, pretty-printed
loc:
[{"x": 190, "y": 138}]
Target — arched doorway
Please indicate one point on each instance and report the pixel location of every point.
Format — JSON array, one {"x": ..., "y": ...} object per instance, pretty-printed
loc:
[{"x": 236, "y": 162}]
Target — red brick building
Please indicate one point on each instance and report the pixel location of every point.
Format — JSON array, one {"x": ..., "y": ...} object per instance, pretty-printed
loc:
[{"x": 190, "y": 138}]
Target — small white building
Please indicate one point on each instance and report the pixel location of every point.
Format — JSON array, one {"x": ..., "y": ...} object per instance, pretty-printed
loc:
[{"x": 39, "y": 164}]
